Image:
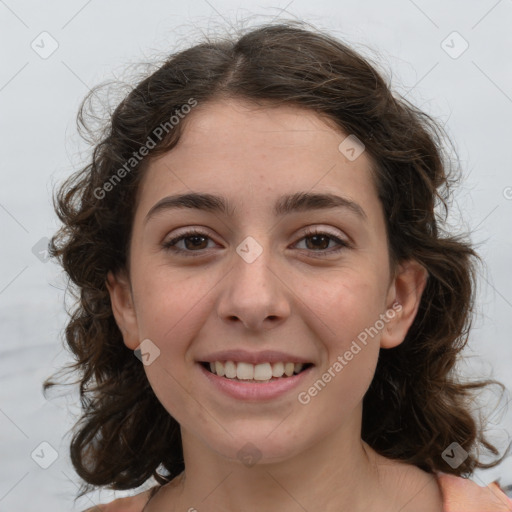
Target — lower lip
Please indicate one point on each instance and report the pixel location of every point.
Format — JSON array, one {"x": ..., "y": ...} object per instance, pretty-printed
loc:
[{"x": 252, "y": 391}]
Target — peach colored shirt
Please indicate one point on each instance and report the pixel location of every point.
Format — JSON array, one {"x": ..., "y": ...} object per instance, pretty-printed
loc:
[
  {"x": 459, "y": 495},
  {"x": 464, "y": 495}
]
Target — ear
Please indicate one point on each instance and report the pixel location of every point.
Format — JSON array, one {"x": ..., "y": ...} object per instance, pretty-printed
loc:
[
  {"x": 119, "y": 288},
  {"x": 403, "y": 300}
]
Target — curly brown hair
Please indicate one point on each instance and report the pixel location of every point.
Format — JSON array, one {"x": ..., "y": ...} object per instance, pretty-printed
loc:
[{"x": 415, "y": 406}]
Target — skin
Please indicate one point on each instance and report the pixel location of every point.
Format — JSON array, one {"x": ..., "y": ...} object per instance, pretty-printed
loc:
[{"x": 288, "y": 299}]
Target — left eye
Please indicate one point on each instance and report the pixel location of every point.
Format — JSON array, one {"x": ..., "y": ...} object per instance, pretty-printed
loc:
[
  {"x": 197, "y": 240},
  {"x": 321, "y": 238}
]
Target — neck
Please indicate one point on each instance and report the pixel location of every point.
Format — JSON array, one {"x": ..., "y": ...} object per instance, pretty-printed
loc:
[{"x": 340, "y": 469}]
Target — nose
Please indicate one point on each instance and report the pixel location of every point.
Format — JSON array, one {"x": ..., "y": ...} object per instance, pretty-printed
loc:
[{"x": 254, "y": 293}]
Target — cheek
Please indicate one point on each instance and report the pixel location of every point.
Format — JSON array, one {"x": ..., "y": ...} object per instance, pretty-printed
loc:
[
  {"x": 170, "y": 312},
  {"x": 347, "y": 314},
  {"x": 347, "y": 302},
  {"x": 173, "y": 390},
  {"x": 168, "y": 302}
]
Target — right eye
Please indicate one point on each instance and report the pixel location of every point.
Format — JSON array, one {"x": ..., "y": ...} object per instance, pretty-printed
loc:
[{"x": 197, "y": 238}]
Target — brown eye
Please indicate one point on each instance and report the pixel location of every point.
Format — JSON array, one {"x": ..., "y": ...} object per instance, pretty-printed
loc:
[
  {"x": 318, "y": 241},
  {"x": 194, "y": 241}
]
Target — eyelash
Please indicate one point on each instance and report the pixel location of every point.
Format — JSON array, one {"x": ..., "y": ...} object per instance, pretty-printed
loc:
[{"x": 309, "y": 233}]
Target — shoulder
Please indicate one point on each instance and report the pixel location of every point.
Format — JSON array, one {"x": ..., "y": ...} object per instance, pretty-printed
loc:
[
  {"x": 130, "y": 504},
  {"x": 152, "y": 499},
  {"x": 406, "y": 487},
  {"x": 464, "y": 495}
]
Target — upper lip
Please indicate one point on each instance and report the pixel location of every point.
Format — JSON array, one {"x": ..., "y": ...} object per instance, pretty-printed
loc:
[{"x": 243, "y": 356}]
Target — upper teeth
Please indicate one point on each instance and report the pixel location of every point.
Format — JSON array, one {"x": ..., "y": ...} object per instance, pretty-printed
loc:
[{"x": 248, "y": 371}]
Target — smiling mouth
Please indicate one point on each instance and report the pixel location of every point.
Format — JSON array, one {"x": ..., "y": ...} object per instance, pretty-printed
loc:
[{"x": 247, "y": 372}]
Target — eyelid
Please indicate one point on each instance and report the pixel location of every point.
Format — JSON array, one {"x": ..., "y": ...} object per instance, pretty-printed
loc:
[
  {"x": 309, "y": 231},
  {"x": 342, "y": 242},
  {"x": 316, "y": 229},
  {"x": 188, "y": 232}
]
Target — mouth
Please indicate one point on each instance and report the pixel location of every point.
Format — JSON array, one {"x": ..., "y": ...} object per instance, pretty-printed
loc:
[{"x": 255, "y": 373}]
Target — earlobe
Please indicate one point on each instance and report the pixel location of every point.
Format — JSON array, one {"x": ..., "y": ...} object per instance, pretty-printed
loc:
[
  {"x": 405, "y": 296},
  {"x": 123, "y": 308}
]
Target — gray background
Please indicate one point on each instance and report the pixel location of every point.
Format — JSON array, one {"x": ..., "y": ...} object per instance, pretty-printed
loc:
[{"x": 471, "y": 93}]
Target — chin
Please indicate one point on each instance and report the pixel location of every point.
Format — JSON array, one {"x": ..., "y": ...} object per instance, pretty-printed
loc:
[{"x": 257, "y": 445}]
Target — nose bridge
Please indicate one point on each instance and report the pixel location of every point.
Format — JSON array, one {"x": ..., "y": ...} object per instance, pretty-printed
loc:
[
  {"x": 252, "y": 266},
  {"x": 253, "y": 291}
]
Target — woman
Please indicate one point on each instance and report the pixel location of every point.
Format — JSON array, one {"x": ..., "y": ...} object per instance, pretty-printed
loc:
[{"x": 259, "y": 227}]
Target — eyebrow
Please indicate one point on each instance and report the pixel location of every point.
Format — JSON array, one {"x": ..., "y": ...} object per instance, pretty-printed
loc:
[{"x": 298, "y": 202}]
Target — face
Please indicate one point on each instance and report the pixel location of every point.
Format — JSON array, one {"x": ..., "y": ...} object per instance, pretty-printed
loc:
[{"x": 254, "y": 285}]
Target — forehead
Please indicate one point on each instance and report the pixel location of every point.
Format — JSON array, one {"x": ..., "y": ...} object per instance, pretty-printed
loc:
[
  {"x": 253, "y": 154},
  {"x": 238, "y": 126}
]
